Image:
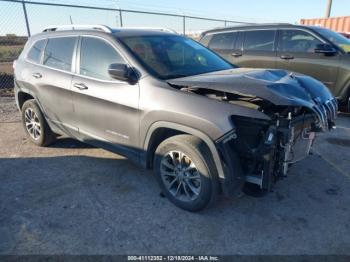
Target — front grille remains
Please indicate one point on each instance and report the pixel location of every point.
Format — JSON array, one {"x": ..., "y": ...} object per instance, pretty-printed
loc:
[{"x": 326, "y": 113}]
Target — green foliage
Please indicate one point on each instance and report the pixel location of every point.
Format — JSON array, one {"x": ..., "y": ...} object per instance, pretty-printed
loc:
[
  {"x": 11, "y": 47},
  {"x": 9, "y": 53}
]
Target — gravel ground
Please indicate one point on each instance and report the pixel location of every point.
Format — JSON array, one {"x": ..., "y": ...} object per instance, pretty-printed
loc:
[
  {"x": 8, "y": 109},
  {"x": 71, "y": 198}
]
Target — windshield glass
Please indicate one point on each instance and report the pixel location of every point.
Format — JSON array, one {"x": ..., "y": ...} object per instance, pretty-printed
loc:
[
  {"x": 172, "y": 56},
  {"x": 335, "y": 38}
]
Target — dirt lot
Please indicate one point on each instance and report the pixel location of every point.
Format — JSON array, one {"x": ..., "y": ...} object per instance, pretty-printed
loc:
[
  {"x": 74, "y": 199},
  {"x": 6, "y": 68}
]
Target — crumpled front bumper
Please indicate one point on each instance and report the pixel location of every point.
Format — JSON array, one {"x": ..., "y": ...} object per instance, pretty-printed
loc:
[
  {"x": 234, "y": 176},
  {"x": 322, "y": 119},
  {"x": 326, "y": 113}
]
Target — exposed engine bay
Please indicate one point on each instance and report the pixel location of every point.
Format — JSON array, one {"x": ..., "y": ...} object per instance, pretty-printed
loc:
[{"x": 297, "y": 108}]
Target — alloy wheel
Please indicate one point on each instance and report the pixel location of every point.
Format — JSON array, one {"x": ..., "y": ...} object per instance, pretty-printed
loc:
[
  {"x": 32, "y": 123},
  {"x": 180, "y": 176}
]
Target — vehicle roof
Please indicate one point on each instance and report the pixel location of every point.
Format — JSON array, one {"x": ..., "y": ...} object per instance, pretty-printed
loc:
[
  {"x": 120, "y": 32},
  {"x": 257, "y": 26}
]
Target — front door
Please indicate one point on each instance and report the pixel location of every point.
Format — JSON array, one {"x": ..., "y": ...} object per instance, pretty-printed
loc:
[
  {"x": 296, "y": 52},
  {"x": 106, "y": 110}
]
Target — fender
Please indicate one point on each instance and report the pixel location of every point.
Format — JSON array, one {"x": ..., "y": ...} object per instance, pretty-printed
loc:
[
  {"x": 29, "y": 92},
  {"x": 191, "y": 131},
  {"x": 54, "y": 127},
  {"x": 24, "y": 90}
]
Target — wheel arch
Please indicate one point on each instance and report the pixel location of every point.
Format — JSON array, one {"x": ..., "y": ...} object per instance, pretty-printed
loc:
[
  {"x": 23, "y": 94},
  {"x": 162, "y": 130},
  {"x": 22, "y": 97}
]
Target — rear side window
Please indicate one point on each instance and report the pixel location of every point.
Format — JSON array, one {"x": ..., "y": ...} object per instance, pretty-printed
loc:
[
  {"x": 259, "y": 40},
  {"x": 205, "y": 40},
  {"x": 59, "y": 53},
  {"x": 223, "y": 41},
  {"x": 34, "y": 53},
  {"x": 239, "y": 41},
  {"x": 96, "y": 55}
]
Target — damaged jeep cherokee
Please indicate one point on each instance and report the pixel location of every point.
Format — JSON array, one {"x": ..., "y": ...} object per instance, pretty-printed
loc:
[{"x": 168, "y": 103}]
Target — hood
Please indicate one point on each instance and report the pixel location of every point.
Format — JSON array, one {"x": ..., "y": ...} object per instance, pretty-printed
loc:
[{"x": 277, "y": 86}]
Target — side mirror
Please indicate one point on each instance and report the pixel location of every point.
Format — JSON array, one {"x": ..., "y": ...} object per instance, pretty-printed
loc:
[
  {"x": 124, "y": 73},
  {"x": 325, "y": 49}
]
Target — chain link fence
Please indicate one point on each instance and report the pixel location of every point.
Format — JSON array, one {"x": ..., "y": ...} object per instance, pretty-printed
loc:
[{"x": 20, "y": 19}]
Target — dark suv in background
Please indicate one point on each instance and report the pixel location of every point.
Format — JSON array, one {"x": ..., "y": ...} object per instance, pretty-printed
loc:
[
  {"x": 168, "y": 103},
  {"x": 310, "y": 50}
]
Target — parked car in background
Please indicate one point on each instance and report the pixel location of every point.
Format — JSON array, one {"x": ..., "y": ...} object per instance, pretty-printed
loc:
[
  {"x": 339, "y": 24},
  {"x": 347, "y": 35},
  {"x": 310, "y": 50},
  {"x": 168, "y": 103}
]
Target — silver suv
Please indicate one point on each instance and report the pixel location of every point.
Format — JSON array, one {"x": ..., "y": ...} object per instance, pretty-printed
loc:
[{"x": 168, "y": 103}]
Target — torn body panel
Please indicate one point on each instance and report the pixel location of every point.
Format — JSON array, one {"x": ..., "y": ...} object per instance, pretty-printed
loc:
[{"x": 297, "y": 106}]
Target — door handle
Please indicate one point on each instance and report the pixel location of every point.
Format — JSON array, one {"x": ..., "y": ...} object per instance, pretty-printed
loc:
[
  {"x": 80, "y": 86},
  {"x": 287, "y": 57},
  {"x": 37, "y": 75},
  {"x": 236, "y": 54}
]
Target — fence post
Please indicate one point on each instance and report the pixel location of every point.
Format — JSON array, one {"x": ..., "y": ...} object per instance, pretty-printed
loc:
[
  {"x": 225, "y": 23},
  {"x": 26, "y": 17},
  {"x": 120, "y": 18},
  {"x": 184, "y": 25}
]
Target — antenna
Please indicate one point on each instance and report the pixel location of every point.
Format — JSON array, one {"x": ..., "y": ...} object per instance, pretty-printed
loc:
[{"x": 71, "y": 21}]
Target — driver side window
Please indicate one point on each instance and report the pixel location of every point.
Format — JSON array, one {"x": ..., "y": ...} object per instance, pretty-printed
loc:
[
  {"x": 297, "y": 41},
  {"x": 96, "y": 55}
]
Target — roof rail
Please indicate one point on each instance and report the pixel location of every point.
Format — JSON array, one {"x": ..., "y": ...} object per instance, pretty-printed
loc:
[
  {"x": 77, "y": 27},
  {"x": 164, "y": 29},
  {"x": 102, "y": 28}
]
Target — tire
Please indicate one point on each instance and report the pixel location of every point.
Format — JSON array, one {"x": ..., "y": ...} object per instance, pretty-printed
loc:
[
  {"x": 344, "y": 106},
  {"x": 196, "y": 173},
  {"x": 35, "y": 125}
]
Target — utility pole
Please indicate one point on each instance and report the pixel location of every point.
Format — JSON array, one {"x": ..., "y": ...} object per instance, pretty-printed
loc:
[
  {"x": 26, "y": 17},
  {"x": 120, "y": 17},
  {"x": 329, "y": 7}
]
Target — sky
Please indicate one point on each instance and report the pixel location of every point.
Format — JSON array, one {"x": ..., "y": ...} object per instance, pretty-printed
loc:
[
  {"x": 276, "y": 10},
  {"x": 291, "y": 11}
]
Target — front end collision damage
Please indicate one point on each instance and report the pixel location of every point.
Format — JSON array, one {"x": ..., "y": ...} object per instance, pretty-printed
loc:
[{"x": 260, "y": 150}]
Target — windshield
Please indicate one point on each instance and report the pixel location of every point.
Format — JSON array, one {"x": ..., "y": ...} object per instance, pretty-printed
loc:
[
  {"x": 335, "y": 38},
  {"x": 172, "y": 56}
]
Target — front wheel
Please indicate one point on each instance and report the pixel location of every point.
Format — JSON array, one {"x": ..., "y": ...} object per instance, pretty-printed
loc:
[
  {"x": 35, "y": 124},
  {"x": 186, "y": 172},
  {"x": 344, "y": 106}
]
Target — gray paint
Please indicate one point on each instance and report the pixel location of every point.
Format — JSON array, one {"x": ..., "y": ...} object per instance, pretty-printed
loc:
[{"x": 121, "y": 117}]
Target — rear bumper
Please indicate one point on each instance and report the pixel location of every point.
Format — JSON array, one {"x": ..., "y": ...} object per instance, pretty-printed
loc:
[{"x": 16, "y": 90}]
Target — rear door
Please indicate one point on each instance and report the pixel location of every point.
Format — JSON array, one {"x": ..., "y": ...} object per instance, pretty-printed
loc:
[
  {"x": 255, "y": 48},
  {"x": 223, "y": 43},
  {"x": 52, "y": 79},
  {"x": 105, "y": 109},
  {"x": 296, "y": 53}
]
